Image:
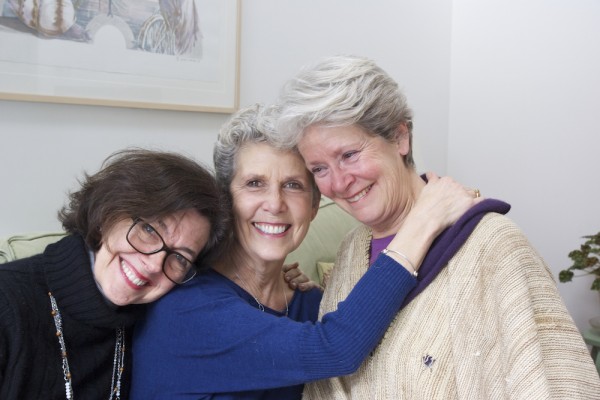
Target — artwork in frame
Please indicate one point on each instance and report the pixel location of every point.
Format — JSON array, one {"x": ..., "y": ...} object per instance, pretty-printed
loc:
[{"x": 163, "y": 54}]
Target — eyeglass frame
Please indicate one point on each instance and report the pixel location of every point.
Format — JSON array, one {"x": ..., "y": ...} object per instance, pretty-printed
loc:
[{"x": 164, "y": 248}]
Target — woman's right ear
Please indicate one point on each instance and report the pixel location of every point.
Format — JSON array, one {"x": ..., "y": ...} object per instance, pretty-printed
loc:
[{"x": 403, "y": 139}]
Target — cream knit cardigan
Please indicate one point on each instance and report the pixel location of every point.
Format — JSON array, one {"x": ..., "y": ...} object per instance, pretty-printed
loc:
[{"x": 491, "y": 325}]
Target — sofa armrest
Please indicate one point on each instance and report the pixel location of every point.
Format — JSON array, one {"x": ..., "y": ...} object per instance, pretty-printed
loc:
[{"x": 26, "y": 245}]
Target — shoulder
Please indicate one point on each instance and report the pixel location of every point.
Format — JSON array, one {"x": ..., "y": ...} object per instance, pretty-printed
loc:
[
  {"x": 499, "y": 247},
  {"x": 194, "y": 306},
  {"x": 499, "y": 230},
  {"x": 311, "y": 297},
  {"x": 22, "y": 294},
  {"x": 360, "y": 232},
  {"x": 21, "y": 277},
  {"x": 354, "y": 251},
  {"x": 209, "y": 295},
  {"x": 358, "y": 239},
  {"x": 305, "y": 305},
  {"x": 205, "y": 287},
  {"x": 18, "y": 267}
]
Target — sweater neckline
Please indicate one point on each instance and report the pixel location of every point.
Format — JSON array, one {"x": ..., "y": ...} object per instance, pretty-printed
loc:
[
  {"x": 69, "y": 277},
  {"x": 248, "y": 297}
]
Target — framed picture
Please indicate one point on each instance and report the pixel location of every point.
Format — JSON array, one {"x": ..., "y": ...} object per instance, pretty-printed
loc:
[{"x": 163, "y": 54}]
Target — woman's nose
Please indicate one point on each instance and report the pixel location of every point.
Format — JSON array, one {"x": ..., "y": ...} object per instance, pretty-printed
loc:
[
  {"x": 340, "y": 181},
  {"x": 274, "y": 203},
  {"x": 153, "y": 263}
]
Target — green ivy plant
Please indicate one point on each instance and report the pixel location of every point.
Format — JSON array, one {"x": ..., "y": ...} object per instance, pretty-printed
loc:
[{"x": 585, "y": 259}]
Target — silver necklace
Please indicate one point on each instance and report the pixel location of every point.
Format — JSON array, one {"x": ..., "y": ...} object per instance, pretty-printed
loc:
[
  {"x": 261, "y": 307},
  {"x": 118, "y": 361}
]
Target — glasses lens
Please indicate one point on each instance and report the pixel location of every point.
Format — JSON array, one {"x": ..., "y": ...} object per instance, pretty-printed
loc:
[
  {"x": 144, "y": 238},
  {"x": 178, "y": 268}
]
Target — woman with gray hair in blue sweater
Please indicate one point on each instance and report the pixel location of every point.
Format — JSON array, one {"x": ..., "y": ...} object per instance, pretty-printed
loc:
[{"x": 237, "y": 332}]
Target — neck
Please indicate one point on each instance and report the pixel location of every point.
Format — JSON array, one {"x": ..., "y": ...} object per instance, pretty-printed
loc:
[
  {"x": 391, "y": 225},
  {"x": 263, "y": 280}
]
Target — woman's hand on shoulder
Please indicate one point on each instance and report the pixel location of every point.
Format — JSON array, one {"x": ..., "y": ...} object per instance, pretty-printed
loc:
[
  {"x": 296, "y": 279},
  {"x": 443, "y": 201}
]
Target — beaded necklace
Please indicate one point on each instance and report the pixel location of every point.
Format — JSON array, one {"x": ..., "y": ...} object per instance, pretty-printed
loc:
[{"x": 118, "y": 362}]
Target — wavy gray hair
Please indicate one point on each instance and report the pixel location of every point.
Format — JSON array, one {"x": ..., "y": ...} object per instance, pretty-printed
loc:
[
  {"x": 341, "y": 91},
  {"x": 253, "y": 124}
]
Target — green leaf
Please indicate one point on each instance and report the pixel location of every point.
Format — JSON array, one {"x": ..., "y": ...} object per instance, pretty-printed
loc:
[
  {"x": 584, "y": 260},
  {"x": 565, "y": 276}
]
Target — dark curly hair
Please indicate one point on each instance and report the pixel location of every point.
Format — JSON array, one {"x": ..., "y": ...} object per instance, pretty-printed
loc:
[{"x": 146, "y": 184}]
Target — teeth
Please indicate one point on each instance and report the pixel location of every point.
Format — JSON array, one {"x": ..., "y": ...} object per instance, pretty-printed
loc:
[
  {"x": 271, "y": 229},
  {"x": 132, "y": 277},
  {"x": 359, "y": 196}
]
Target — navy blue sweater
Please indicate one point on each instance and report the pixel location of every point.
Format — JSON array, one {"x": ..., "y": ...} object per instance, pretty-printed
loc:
[{"x": 206, "y": 340}]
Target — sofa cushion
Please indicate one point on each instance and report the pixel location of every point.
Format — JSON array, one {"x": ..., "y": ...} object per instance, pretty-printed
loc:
[
  {"x": 324, "y": 236},
  {"x": 324, "y": 270},
  {"x": 21, "y": 246}
]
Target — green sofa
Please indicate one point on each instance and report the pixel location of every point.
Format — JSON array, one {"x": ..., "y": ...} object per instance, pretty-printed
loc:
[
  {"x": 315, "y": 255},
  {"x": 317, "y": 252}
]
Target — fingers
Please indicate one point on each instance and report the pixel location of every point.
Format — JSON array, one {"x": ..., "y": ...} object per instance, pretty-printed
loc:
[
  {"x": 302, "y": 282},
  {"x": 444, "y": 200},
  {"x": 306, "y": 286},
  {"x": 431, "y": 176},
  {"x": 289, "y": 267},
  {"x": 293, "y": 275},
  {"x": 473, "y": 192},
  {"x": 296, "y": 279}
]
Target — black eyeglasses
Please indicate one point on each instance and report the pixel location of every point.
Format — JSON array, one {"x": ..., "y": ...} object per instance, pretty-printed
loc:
[{"x": 146, "y": 240}]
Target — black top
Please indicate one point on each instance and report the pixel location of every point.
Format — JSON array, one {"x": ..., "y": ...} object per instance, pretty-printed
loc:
[{"x": 30, "y": 360}]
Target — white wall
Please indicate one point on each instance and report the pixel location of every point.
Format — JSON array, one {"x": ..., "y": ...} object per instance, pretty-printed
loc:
[
  {"x": 502, "y": 92},
  {"x": 524, "y": 106},
  {"x": 409, "y": 39},
  {"x": 45, "y": 148}
]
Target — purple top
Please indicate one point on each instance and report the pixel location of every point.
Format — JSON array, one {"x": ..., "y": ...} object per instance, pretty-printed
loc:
[{"x": 377, "y": 246}]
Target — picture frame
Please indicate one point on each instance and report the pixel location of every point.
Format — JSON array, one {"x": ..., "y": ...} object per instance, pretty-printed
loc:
[{"x": 158, "y": 54}]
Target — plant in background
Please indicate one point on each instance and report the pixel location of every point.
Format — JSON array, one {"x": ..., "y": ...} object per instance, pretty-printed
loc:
[{"x": 585, "y": 259}]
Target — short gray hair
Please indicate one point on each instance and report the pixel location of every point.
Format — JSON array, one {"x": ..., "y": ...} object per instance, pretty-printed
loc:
[
  {"x": 253, "y": 124},
  {"x": 343, "y": 91}
]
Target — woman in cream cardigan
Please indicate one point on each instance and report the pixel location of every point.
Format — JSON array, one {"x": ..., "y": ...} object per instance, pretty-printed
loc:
[{"x": 486, "y": 320}]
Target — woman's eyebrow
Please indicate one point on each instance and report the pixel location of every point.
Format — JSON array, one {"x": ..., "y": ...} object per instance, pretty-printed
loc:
[{"x": 164, "y": 228}]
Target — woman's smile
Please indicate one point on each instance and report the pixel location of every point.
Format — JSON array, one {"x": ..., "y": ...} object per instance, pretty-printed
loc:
[
  {"x": 271, "y": 229},
  {"x": 132, "y": 277},
  {"x": 360, "y": 195}
]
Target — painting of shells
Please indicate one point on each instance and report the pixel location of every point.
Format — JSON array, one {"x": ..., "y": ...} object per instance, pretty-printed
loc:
[{"x": 180, "y": 54}]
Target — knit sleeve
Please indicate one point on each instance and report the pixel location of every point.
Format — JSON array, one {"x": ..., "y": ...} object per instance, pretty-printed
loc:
[{"x": 203, "y": 339}]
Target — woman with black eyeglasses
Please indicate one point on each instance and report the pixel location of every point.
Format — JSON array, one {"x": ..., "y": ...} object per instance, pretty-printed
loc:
[{"x": 136, "y": 229}]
